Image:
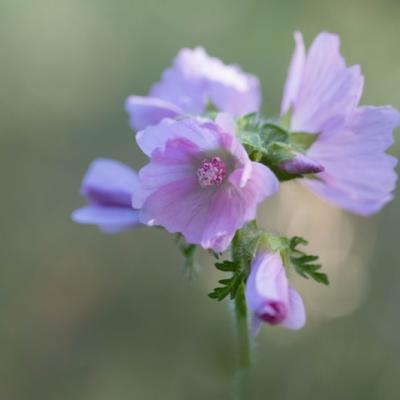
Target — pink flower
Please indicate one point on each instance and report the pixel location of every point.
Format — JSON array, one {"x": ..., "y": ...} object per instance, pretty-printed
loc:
[
  {"x": 108, "y": 186},
  {"x": 194, "y": 80},
  {"x": 269, "y": 296},
  {"x": 322, "y": 94},
  {"x": 199, "y": 181}
]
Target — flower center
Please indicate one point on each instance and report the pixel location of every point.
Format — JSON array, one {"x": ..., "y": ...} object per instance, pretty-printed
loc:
[
  {"x": 274, "y": 313},
  {"x": 211, "y": 172}
]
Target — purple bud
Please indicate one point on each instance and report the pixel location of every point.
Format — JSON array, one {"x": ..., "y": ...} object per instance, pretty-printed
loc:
[
  {"x": 269, "y": 296},
  {"x": 301, "y": 164}
]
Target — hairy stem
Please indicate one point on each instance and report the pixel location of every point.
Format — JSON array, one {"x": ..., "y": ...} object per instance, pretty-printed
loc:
[{"x": 242, "y": 328}]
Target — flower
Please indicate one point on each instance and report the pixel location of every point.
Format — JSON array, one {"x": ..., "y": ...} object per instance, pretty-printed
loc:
[
  {"x": 194, "y": 81},
  {"x": 269, "y": 296},
  {"x": 108, "y": 186},
  {"x": 199, "y": 181},
  {"x": 321, "y": 96}
]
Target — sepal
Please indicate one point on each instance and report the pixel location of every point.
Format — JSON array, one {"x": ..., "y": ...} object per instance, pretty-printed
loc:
[
  {"x": 190, "y": 266},
  {"x": 280, "y": 150}
]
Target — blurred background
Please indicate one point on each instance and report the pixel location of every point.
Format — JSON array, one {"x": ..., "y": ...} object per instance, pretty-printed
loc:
[{"x": 86, "y": 316}]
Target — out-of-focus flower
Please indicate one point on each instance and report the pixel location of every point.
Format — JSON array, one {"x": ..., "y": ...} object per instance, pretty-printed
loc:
[
  {"x": 108, "y": 186},
  {"x": 194, "y": 81},
  {"x": 321, "y": 96},
  {"x": 269, "y": 296},
  {"x": 199, "y": 181}
]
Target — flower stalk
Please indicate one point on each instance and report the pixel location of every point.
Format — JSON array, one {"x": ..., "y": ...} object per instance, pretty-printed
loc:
[
  {"x": 243, "y": 344},
  {"x": 242, "y": 326}
]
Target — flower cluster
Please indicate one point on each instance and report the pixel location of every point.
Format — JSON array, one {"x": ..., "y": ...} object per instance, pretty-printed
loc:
[{"x": 212, "y": 159}]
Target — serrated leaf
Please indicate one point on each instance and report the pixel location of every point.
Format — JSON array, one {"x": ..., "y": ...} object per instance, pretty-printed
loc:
[
  {"x": 229, "y": 286},
  {"x": 297, "y": 240},
  {"x": 320, "y": 277},
  {"x": 303, "y": 263},
  {"x": 307, "y": 259},
  {"x": 226, "y": 266}
]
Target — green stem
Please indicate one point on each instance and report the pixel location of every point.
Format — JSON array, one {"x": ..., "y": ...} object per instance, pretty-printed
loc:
[
  {"x": 242, "y": 328},
  {"x": 243, "y": 340},
  {"x": 243, "y": 345}
]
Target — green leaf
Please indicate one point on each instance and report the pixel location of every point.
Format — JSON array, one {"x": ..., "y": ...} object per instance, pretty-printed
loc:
[
  {"x": 226, "y": 266},
  {"x": 243, "y": 248},
  {"x": 296, "y": 241},
  {"x": 304, "y": 263},
  {"x": 229, "y": 286}
]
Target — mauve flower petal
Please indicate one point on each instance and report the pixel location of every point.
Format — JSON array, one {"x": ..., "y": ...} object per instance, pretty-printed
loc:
[
  {"x": 328, "y": 88},
  {"x": 176, "y": 161},
  {"x": 358, "y": 176},
  {"x": 295, "y": 74},
  {"x": 226, "y": 123},
  {"x": 229, "y": 141},
  {"x": 156, "y": 137},
  {"x": 296, "y": 316},
  {"x": 196, "y": 78},
  {"x": 267, "y": 282},
  {"x": 109, "y": 219},
  {"x": 109, "y": 182},
  {"x": 179, "y": 206},
  {"x": 146, "y": 111},
  {"x": 236, "y": 101},
  {"x": 269, "y": 296},
  {"x": 171, "y": 195},
  {"x": 182, "y": 85},
  {"x": 261, "y": 184},
  {"x": 232, "y": 206}
]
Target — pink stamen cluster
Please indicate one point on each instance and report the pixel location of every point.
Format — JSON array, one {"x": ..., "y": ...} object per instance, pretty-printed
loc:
[{"x": 211, "y": 172}]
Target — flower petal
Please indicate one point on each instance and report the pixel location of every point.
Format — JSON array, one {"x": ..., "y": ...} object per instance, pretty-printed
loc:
[
  {"x": 296, "y": 316},
  {"x": 109, "y": 182},
  {"x": 329, "y": 90},
  {"x": 147, "y": 111},
  {"x": 226, "y": 124},
  {"x": 295, "y": 74},
  {"x": 267, "y": 281},
  {"x": 196, "y": 78},
  {"x": 109, "y": 219},
  {"x": 194, "y": 130},
  {"x": 232, "y": 206},
  {"x": 358, "y": 176},
  {"x": 176, "y": 161},
  {"x": 179, "y": 206}
]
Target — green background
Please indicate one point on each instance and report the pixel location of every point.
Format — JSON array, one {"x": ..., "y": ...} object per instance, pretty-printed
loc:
[{"x": 86, "y": 316}]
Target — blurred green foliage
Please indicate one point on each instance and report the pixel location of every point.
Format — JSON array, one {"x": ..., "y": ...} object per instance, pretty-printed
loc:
[{"x": 84, "y": 316}]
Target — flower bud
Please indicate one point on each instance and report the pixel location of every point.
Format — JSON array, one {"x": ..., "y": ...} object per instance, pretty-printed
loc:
[
  {"x": 301, "y": 164},
  {"x": 269, "y": 296}
]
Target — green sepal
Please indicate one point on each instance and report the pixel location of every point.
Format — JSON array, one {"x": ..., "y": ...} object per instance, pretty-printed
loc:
[
  {"x": 188, "y": 250},
  {"x": 271, "y": 143},
  {"x": 302, "y": 140}
]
